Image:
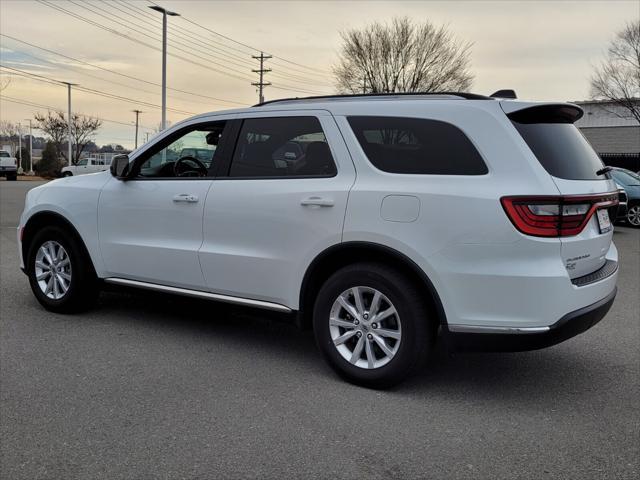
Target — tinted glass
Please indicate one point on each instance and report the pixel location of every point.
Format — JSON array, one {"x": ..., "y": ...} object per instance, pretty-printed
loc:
[
  {"x": 417, "y": 146},
  {"x": 190, "y": 153},
  {"x": 4, "y": 154},
  {"x": 282, "y": 147},
  {"x": 562, "y": 150}
]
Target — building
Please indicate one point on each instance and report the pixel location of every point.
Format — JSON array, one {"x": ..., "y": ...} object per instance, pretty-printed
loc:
[{"x": 612, "y": 132}]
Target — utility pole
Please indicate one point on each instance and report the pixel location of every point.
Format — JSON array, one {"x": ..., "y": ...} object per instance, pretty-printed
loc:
[
  {"x": 137, "y": 112},
  {"x": 69, "y": 119},
  {"x": 261, "y": 84},
  {"x": 30, "y": 146},
  {"x": 164, "y": 12}
]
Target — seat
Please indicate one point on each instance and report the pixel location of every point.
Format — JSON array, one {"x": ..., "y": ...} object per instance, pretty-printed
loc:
[{"x": 318, "y": 160}]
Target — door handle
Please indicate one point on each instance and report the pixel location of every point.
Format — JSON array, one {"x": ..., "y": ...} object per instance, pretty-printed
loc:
[
  {"x": 316, "y": 202},
  {"x": 185, "y": 198}
]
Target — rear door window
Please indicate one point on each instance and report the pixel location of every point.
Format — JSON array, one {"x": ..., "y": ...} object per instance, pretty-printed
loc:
[
  {"x": 282, "y": 147},
  {"x": 417, "y": 146}
]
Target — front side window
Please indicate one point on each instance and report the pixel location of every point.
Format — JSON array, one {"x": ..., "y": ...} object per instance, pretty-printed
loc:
[
  {"x": 417, "y": 146},
  {"x": 188, "y": 153},
  {"x": 83, "y": 162},
  {"x": 282, "y": 147}
]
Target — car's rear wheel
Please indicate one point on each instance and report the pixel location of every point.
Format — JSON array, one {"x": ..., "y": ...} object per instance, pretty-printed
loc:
[
  {"x": 12, "y": 177},
  {"x": 60, "y": 272},
  {"x": 372, "y": 325},
  {"x": 633, "y": 215}
]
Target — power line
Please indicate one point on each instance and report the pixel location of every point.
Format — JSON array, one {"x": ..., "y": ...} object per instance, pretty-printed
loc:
[
  {"x": 29, "y": 103},
  {"x": 141, "y": 31},
  {"x": 102, "y": 79},
  {"x": 210, "y": 49},
  {"x": 247, "y": 46},
  {"x": 119, "y": 73},
  {"x": 115, "y": 32},
  {"x": 288, "y": 87},
  {"x": 97, "y": 92}
]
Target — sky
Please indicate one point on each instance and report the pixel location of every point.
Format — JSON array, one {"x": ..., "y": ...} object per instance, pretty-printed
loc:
[{"x": 544, "y": 50}]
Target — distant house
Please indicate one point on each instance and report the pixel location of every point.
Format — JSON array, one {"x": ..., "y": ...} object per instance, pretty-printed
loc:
[{"x": 612, "y": 132}]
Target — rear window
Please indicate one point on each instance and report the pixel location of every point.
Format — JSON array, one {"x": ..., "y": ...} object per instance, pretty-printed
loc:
[
  {"x": 561, "y": 149},
  {"x": 417, "y": 146}
]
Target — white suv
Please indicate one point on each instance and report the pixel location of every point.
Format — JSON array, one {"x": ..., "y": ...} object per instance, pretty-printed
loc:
[
  {"x": 380, "y": 220},
  {"x": 86, "y": 165}
]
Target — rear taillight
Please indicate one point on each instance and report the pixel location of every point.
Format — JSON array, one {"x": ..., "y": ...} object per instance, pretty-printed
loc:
[{"x": 557, "y": 216}]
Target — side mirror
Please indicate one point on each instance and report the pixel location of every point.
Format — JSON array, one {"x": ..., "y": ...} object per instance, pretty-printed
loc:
[{"x": 120, "y": 166}]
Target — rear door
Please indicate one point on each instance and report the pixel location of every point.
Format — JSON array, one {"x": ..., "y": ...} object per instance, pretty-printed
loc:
[
  {"x": 567, "y": 156},
  {"x": 280, "y": 203}
]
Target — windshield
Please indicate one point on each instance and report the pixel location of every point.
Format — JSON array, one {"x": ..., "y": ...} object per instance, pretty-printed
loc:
[
  {"x": 4, "y": 154},
  {"x": 562, "y": 150},
  {"x": 626, "y": 177}
]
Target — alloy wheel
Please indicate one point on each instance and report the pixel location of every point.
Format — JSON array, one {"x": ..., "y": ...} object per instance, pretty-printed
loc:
[
  {"x": 633, "y": 216},
  {"x": 365, "y": 327},
  {"x": 53, "y": 270}
]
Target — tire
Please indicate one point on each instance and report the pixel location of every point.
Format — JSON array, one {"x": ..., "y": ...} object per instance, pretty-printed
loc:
[
  {"x": 633, "y": 215},
  {"x": 411, "y": 323},
  {"x": 67, "y": 174},
  {"x": 12, "y": 177},
  {"x": 79, "y": 277}
]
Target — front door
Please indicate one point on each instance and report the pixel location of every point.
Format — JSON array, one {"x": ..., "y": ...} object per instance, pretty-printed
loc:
[{"x": 150, "y": 226}]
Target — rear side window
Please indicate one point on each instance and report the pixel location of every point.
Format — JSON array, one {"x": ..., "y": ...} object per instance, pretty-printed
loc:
[
  {"x": 557, "y": 143},
  {"x": 280, "y": 147},
  {"x": 417, "y": 146}
]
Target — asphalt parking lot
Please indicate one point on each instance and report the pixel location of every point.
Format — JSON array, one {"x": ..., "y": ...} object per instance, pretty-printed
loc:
[{"x": 154, "y": 387}]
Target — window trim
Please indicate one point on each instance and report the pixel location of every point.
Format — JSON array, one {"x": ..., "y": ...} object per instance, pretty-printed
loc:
[
  {"x": 225, "y": 171},
  {"x": 386, "y": 172},
  {"x": 172, "y": 137}
]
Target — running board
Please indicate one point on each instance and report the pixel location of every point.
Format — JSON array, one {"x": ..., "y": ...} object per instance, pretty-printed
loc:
[{"x": 199, "y": 294}]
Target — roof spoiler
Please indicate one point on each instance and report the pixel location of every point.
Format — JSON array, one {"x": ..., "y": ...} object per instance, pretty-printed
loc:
[
  {"x": 549, "y": 113},
  {"x": 510, "y": 94}
]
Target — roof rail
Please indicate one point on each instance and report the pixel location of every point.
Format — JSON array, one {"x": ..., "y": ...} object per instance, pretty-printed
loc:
[{"x": 465, "y": 95}]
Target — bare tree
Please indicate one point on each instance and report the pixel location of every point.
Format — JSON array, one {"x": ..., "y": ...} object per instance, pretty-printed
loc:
[
  {"x": 55, "y": 125},
  {"x": 402, "y": 57},
  {"x": 617, "y": 78},
  {"x": 9, "y": 132}
]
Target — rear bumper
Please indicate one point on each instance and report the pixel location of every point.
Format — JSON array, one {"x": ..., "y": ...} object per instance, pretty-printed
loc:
[{"x": 518, "y": 340}]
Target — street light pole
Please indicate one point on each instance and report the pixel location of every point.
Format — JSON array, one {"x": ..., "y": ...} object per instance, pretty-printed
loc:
[
  {"x": 30, "y": 146},
  {"x": 69, "y": 117},
  {"x": 164, "y": 12}
]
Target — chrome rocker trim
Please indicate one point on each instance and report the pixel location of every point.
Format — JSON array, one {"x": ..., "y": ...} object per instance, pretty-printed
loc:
[
  {"x": 199, "y": 294},
  {"x": 487, "y": 329}
]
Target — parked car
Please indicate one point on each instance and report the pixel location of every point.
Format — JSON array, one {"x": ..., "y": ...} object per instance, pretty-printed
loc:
[
  {"x": 621, "y": 214},
  {"x": 86, "y": 165},
  {"x": 486, "y": 219},
  {"x": 630, "y": 181},
  {"x": 8, "y": 166}
]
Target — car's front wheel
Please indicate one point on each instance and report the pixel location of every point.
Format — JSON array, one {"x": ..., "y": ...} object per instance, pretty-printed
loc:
[
  {"x": 633, "y": 215},
  {"x": 67, "y": 174},
  {"x": 372, "y": 325},
  {"x": 60, "y": 272}
]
